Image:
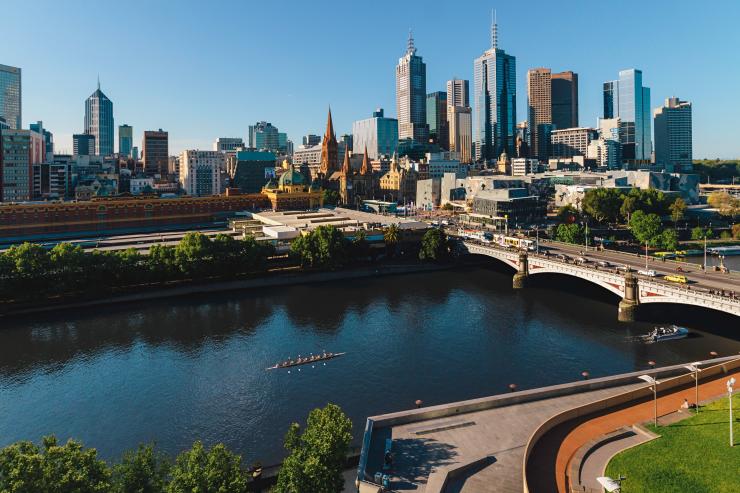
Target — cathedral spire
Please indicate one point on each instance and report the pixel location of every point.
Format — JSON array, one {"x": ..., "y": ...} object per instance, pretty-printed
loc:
[
  {"x": 346, "y": 166},
  {"x": 329, "y": 149},
  {"x": 329, "y": 128},
  {"x": 365, "y": 169}
]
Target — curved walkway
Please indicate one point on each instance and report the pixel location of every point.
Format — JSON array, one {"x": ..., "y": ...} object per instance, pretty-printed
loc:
[{"x": 551, "y": 456}]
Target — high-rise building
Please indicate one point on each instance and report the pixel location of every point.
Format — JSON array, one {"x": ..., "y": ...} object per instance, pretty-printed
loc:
[
  {"x": 253, "y": 169},
  {"x": 83, "y": 145},
  {"x": 10, "y": 96},
  {"x": 673, "y": 136},
  {"x": 224, "y": 144},
  {"x": 264, "y": 136},
  {"x": 378, "y": 134},
  {"x": 458, "y": 92},
  {"x": 99, "y": 121},
  {"x": 411, "y": 93},
  {"x": 200, "y": 172},
  {"x": 38, "y": 127},
  {"x": 571, "y": 142},
  {"x": 155, "y": 151},
  {"x": 437, "y": 118},
  {"x": 125, "y": 140},
  {"x": 461, "y": 132},
  {"x": 21, "y": 149},
  {"x": 539, "y": 110},
  {"x": 329, "y": 150},
  {"x": 565, "y": 100},
  {"x": 628, "y": 100},
  {"x": 495, "y": 102}
]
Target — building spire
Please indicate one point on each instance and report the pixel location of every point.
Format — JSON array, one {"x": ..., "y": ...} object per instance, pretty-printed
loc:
[
  {"x": 346, "y": 166},
  {"x": 98, "y": 82},
  {"x": 410, "y": 47},
  {"x": 365, "y": 169},
  {"x": 330, "y": 135},
  {"x": 494, "y": 30}
]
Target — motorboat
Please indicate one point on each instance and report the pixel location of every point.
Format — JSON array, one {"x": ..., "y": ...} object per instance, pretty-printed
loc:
[{"x": 666, "y": 333}]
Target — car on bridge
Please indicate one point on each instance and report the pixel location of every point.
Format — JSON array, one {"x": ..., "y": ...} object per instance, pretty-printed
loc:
[
  {"x": 676, "y": 278},
  {"x": 649, "y": 273}
]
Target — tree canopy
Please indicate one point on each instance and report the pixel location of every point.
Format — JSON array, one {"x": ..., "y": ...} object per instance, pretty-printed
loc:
[
  {"x": 318, "y": 454},
  {"x": 434, "y": 246},
  {"x": 569, "y": 233},
  {"x": 646, "y": 228},
  {"x": 603, "y": 204},
  {"x": 325, "y": 247}
]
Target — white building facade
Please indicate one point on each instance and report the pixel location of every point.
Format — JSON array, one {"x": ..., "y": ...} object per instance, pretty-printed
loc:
[{"x": 200, "y": 172}]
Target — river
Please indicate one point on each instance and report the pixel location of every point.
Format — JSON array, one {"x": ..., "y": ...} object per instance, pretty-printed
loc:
[{"x": 174, "y": 371}]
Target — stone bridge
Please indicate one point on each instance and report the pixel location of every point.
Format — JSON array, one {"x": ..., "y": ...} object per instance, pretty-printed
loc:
[{"x": 633, "y": 291}]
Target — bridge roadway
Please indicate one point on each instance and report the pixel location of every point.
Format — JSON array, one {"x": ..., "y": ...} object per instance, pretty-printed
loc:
[{"x": 704, "y": 290}]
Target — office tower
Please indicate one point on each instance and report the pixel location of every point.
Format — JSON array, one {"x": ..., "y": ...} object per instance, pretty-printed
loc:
[
  {"x": 99, "y": 121},
  {"x": 83, "y": 145},
  {"x": 311, "y": 140},
  {"x": 200, "y": 172},
  {"x": 437, "y": 118},
  {"x": 571, "y": 142},
  {"x": 135, "y": 153},
  {"x": 539, "y": 110},
  {"x": 411, "y": 93},
  {"x": 21, "y": 149},
  {"x": 329, "y": 150},
  {"x": 673, "y": 136},
  {"x": 565, "y": 100},
  {"x": 495, "y": 102},
  {"x": 461, "y": 132},
  {"x": 224, "y": 144},
  {"x": 253, "y": 170},
  {"x": 347, "y": 140},
  {"x": 155, "y": 151},
  {"x": 628, "y": 100},
  {"x": 265, "y": 136},
  {"x": 125, "y": 140},
  {"x": 521, "y": 143},
  {"x": 38, "y": 127},
  {"x": 458, "y": 92},
  {"x": 10, "y": 96},
  {"x": 378, "y": 134}
]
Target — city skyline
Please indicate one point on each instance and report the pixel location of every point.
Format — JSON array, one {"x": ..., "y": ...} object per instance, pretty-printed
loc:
[{"x": 197, "y": 111}]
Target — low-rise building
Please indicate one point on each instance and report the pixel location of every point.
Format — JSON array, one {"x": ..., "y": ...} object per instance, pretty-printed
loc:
[
  {"x": 513, "y": 205},
  {"x": 253, "y": 169}
]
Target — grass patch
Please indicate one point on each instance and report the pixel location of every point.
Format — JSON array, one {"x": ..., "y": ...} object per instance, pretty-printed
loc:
[{"x": 693, "y": 455}]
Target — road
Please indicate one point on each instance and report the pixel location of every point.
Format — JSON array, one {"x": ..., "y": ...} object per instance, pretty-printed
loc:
[{"x": 710, "y": 280}]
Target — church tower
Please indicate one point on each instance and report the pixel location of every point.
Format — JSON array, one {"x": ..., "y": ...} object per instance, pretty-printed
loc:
[{"x": 329, "y": 150}]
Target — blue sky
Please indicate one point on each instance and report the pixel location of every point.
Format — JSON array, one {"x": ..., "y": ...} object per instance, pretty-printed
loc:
[{"x": 203, "y": 70}]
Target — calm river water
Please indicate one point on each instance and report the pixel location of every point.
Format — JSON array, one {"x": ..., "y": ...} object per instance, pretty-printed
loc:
[{"x": 178, "y": 370}]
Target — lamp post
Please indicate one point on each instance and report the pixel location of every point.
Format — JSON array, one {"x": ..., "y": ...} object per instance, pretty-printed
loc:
[
  {"x": 654, "y": 387},
  {"x": 694, "y": 367},
  {"x": 730, "y": 384},
  {"x": 705, "y": 252}
]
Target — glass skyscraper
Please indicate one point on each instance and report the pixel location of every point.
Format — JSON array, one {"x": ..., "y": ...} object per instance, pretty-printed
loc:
[
  {"x": 673, "y": 136},
  {"x": 99, "y": 121},
  {"x": 411, "y": 94},
  {"x": 10, "y": 96},
  {"x": 437, "y": 118},
  {"x": 125, "y": 140},
  {"x": 379, "y": 135},
  {"x": 495, "y": 102},
  {"x": 628, "y": 100}
]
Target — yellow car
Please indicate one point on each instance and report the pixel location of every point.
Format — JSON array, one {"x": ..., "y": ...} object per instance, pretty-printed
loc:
[{"x": 678, "y": 279}]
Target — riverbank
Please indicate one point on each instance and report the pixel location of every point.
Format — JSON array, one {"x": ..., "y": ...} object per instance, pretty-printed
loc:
[{"x": 201, "y": 288}]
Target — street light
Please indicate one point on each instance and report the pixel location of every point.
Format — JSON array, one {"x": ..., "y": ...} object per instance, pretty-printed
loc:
[
  {"x": 654, "y": 387},
  {"x": 694, "y": 367},
  {"x": 730, "y": 383}
]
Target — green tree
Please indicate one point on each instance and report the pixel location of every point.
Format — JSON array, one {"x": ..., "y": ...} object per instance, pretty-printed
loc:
[
  {"x": 192, "y": 254},
  {"x": 143, "y": 470},
  {"x": 736, "y": 231},
  {"x": 669, "y": 239},
  {"x": 331, "y": 197},
  {"x": 447, "y": 207},
  {"x": 360, "y": 247},
  {"x": 324, "y": 247},
  {"x": 569, "y": 233},
  {"x": 726, "y": 204},
  {"x": 207, "y": 471},
  {"x": 31, "y": 267},
  {"x": 318, "y": 455},
  {"x": 27, "y": 468},
  {"x": 646, "y": 228},
  {"x": 677, "y": 209},
  {"x": 603, "y": 204},
  {"x": 434, "y": 246},
  {"x": 567, "y": 215},
  {"x": 699, "y": 233},
  {"x": 391, "y": 237}
]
